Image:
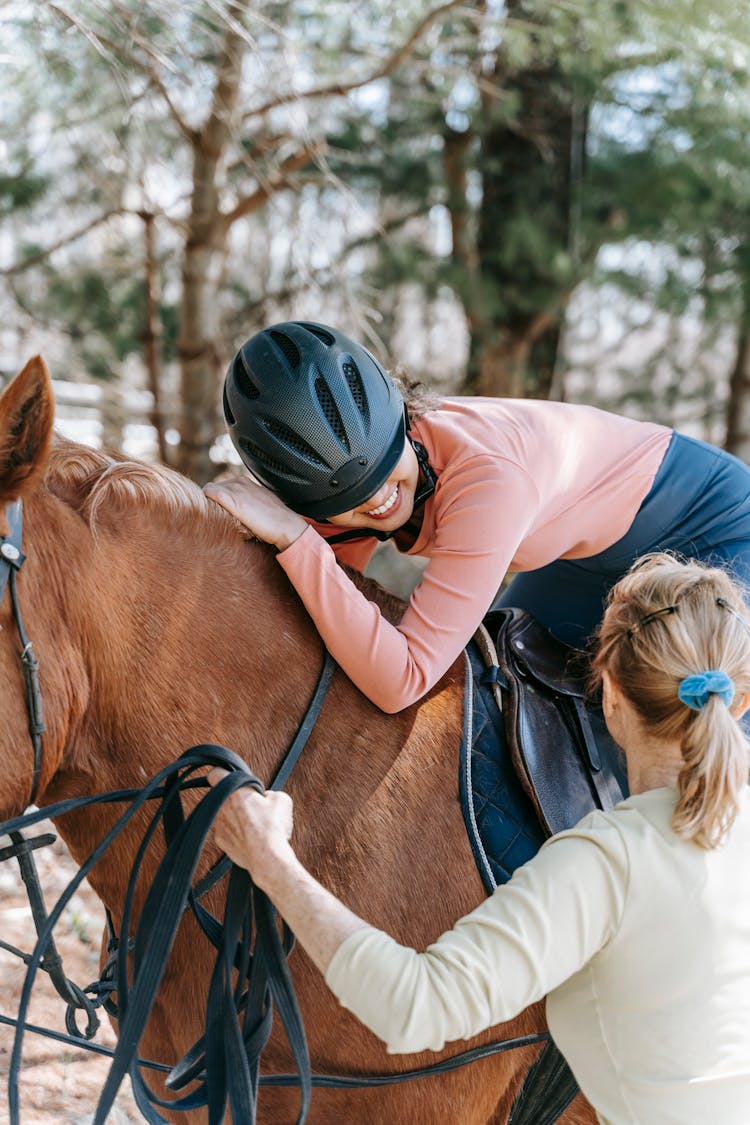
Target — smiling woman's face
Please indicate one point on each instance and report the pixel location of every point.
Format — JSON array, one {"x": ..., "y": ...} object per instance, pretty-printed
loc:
[{"x": 392, "y": 505}]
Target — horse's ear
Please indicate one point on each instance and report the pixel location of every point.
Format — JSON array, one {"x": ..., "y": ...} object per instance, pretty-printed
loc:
[{"x": 27, "y": 410}]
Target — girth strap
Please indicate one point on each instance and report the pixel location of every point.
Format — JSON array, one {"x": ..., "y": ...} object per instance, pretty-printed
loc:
[{"x": 548, "y": 1089}]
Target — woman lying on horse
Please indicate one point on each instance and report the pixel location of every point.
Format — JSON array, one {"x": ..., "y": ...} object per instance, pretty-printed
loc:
[
  {"x": 635, "y": 924},
  {"x": 566, "y": 494}
]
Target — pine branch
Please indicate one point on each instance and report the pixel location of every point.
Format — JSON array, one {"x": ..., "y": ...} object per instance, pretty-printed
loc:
[
  {"x": 338, "y": 89},
  {"x": 275, "y": 183},
  {"x": 148, "y": 68},
  {"x": 42, "y": 255},
  {"x": 327, "y": 274}
]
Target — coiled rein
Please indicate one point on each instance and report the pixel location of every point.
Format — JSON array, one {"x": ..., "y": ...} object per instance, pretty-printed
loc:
[{"x": 225, "y": 1061}]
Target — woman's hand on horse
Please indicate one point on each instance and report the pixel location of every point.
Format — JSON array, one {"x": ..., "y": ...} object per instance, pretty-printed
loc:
[
  {"x": 259, "y": 509},
  {"x": 254, "y": 829}
]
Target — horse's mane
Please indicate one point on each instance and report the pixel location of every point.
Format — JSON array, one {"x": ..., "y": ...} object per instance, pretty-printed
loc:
[{"x": 89, "y": 478}]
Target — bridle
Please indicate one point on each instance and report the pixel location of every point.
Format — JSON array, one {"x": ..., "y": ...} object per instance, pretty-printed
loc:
[
  {"x": 11, "y": 560},
  {"x": 265, "y": 969},
  {"x": 21, "y": 848}
]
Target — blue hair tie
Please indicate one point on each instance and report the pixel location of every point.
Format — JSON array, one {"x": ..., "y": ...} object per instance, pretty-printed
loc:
[{"x": 694, "y": 691}]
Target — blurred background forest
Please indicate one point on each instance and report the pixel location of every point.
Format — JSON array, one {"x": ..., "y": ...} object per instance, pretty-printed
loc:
[{"x": 509, "y": 198}]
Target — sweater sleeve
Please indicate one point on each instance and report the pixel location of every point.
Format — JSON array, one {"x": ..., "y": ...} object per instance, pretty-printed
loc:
[
  {"x": 483, "y": 511},
  {"x": 533, "y": 933}
]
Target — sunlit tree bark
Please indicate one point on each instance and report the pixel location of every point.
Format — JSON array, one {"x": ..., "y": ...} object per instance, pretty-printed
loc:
[{"x": 738, "y": 406}]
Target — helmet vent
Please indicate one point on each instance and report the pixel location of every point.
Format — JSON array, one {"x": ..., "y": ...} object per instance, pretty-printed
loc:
[
  {"x": 354, "y": 379},
  {"x": 267, "y": 462},
  {"x": 244, "y": 381},
  {"x": 321, "y": 333},
  {"x": 288, "y": 347},
  {"x": 262, "y": 457},
  {"x": 331, "y": 411},
  {"x": 229, "y": 416},
  {"x": 285, "y": 436}
]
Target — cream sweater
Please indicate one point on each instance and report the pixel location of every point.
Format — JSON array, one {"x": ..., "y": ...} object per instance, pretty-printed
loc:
[{"x": 641, "y": 944}]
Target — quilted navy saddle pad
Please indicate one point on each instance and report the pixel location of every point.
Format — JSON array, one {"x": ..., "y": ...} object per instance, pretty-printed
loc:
[{"x": 501, "y": 821}]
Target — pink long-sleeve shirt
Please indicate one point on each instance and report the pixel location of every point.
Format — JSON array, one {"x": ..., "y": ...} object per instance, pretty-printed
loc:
[{"x": 520, "y": 484}]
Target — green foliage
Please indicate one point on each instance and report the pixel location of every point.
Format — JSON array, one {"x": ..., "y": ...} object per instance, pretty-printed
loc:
[
  {"x": 100, "y": 310},
  {"x": 21, "y": 189},
  {"x": 105, "y": 99},
  {"x": 682, "y": 181}
]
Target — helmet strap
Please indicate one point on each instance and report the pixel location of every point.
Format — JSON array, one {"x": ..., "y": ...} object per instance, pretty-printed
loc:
[
  {"x": 358, "y": 533},
  {"x": 425, "y": 489}
]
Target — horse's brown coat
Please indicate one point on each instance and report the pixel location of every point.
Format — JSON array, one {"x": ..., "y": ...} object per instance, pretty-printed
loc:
[{"x": 158, "y": 626}]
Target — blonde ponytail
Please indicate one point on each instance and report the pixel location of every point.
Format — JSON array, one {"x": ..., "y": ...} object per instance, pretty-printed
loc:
[
  {"x": 667, "y": 624},
  {"x": 715, "y": 754}
]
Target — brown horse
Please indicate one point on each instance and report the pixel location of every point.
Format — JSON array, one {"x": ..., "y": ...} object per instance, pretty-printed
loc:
[{"x": 157, "y": 626}]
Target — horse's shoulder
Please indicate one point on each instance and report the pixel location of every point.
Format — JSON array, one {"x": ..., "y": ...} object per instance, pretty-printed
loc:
[{"x": 391, "y": 607}]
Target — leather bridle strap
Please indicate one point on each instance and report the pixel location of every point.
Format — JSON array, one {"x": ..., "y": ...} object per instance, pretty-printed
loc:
[
  {"x": 22, "y": 850},
  {"x": 311, "y": 717},
  {"x": 234, "y": 1080},
  {"x": 11, "y": 561},
  {"x": 207, "y": 923},
  {"x": 239, "y": 1009}
]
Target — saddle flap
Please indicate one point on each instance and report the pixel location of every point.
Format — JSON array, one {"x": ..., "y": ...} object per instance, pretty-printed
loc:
[
  {"x": 540, "y": 654},
  {"x": 563, "y": 754}
]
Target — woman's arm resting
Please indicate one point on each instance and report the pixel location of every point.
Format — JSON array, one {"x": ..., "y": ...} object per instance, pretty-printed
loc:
[
  {"x": 259, "y": 509},
  {"x": 481, "y": 517}
]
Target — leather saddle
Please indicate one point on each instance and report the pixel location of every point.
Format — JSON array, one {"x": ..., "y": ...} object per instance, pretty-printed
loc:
[{"x": 564, "y": 757}]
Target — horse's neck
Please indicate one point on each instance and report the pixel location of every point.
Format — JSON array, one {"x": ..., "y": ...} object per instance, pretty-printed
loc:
[
  {"x": 154, "y": 638},
  {"x": 175, "y": 636}
]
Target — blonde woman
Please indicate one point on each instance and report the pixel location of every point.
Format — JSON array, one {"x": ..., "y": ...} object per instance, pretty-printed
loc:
[{"x": 635, "y": 924}]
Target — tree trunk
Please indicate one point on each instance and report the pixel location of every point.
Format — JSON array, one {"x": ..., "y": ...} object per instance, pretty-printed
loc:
[
  {"x": 200, "y": 362},
  {"x": 113, "y": 414},
  {"x": 456, "y": 157},
  {"x": 527, "y": 238},
  {"x": 738, "y": 406},
  {"x": 152, "y": 335}
]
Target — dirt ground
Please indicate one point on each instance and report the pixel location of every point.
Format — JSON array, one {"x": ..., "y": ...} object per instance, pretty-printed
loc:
[{"x": 58, "y": 1083}]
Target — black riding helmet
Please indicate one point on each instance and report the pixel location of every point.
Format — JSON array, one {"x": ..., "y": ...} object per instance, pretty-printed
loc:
[{"x": 314, "y": 417}]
